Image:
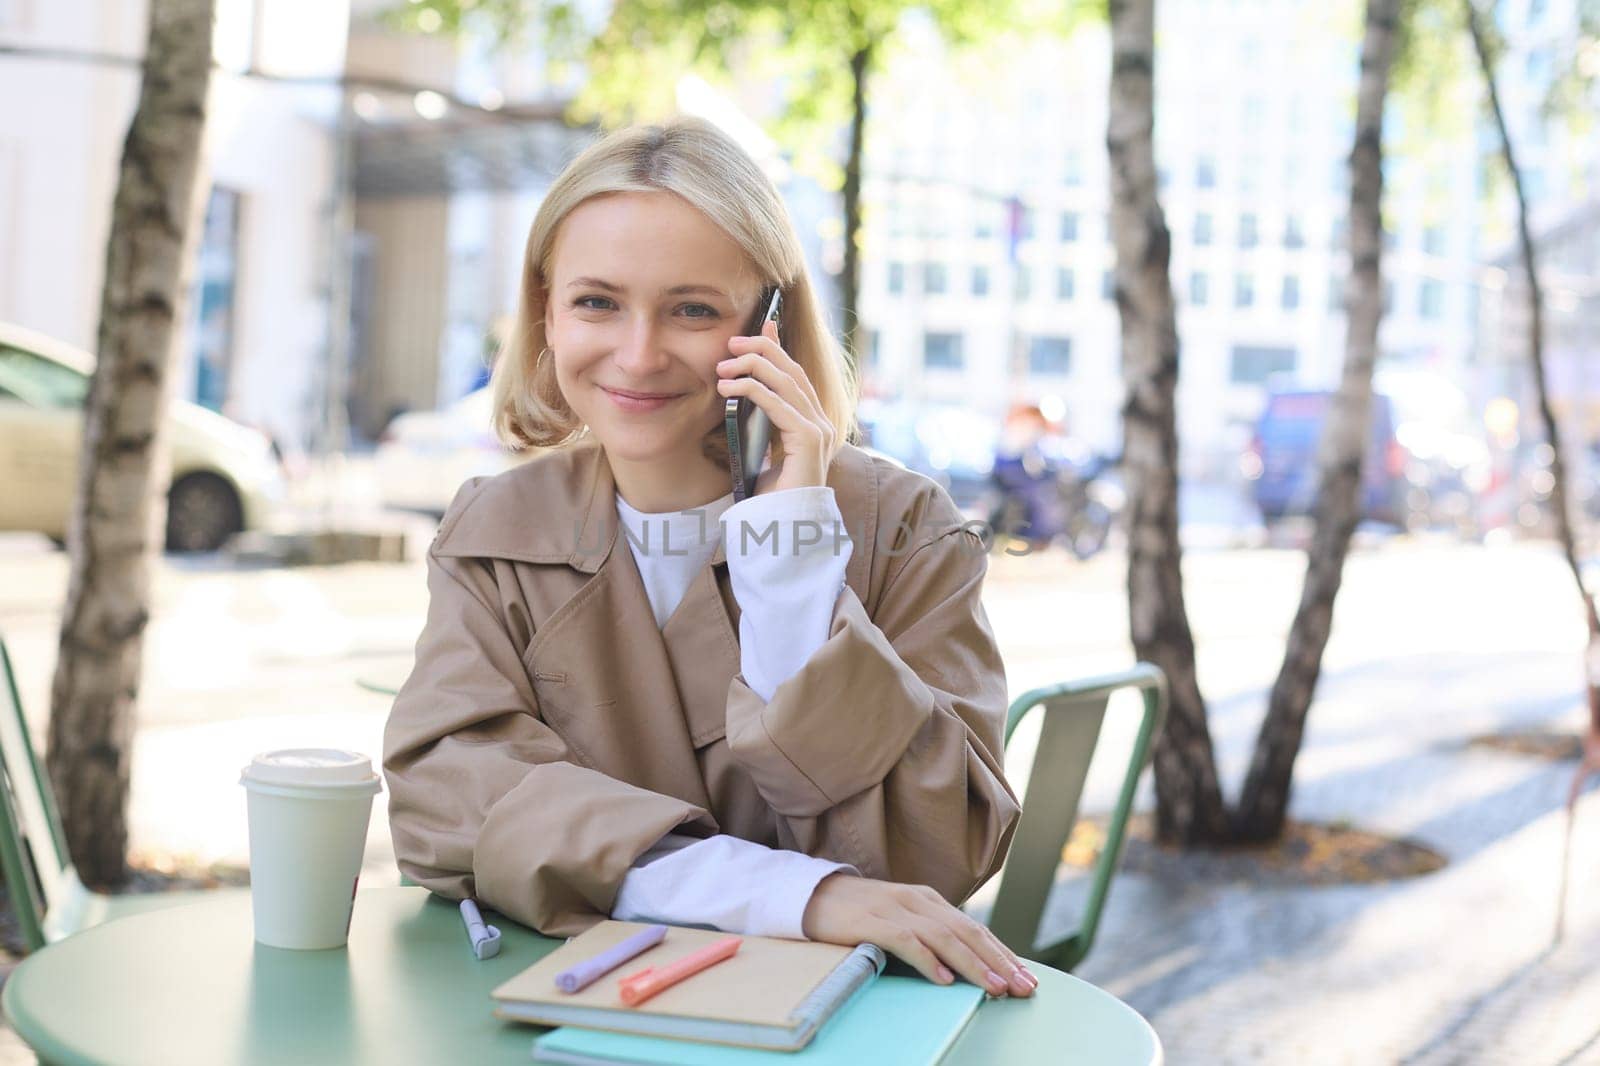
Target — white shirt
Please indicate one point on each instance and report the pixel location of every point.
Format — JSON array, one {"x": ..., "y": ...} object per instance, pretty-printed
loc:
[{"x": 787, "y": 553}]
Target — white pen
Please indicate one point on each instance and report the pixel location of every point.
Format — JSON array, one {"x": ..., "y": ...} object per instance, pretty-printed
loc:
[{"x": 485, "y": 938}]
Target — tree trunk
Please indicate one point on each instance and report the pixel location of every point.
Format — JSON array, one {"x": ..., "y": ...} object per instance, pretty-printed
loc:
[
  {"x": 849, "y": 276},
  {"x": 1552, "y": 431},
  {"x": 1264, "y": 803},
  {"x": 1189, "y": 806},
  {"x": 117, "y": 512}
]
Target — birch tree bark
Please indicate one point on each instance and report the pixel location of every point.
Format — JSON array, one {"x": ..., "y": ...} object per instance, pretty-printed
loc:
[
  {"x": 1189, "y": 806},
  {"x": 1264, "y": 803},
  {"x": 116, "y": 520},
  {"x": 1559, "y": 500},
  {"x": 1562, "y": 513}
]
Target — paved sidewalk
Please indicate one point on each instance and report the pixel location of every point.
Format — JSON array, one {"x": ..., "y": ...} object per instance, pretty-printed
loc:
[
  {"x": 1454, "y": 967},
  {"x": 1457, "y": 967},
  {"x": 1433, "y": 644}
]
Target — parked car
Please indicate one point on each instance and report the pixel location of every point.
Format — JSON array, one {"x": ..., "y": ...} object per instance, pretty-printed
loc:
[
  {"x": 224, "y": 477},
  {"x": 424, "y": 456},
  {"x": 1282, "y": 461}
]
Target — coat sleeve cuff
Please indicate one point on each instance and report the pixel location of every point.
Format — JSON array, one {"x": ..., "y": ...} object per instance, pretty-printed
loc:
[{"x": 836, "y": 727}]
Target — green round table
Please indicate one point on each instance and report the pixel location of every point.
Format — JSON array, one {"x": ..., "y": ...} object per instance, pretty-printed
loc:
[{"x": 188, "y": 984}]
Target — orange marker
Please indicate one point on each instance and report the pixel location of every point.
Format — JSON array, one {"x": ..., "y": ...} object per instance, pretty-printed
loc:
[{"x": 642, "y": 984}]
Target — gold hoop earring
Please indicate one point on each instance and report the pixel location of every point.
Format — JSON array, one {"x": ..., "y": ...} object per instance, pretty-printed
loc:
[{"x": 542, "y": 353}]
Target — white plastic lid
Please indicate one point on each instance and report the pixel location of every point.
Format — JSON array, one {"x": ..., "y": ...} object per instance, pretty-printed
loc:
[{"x": 312, "y": 768}]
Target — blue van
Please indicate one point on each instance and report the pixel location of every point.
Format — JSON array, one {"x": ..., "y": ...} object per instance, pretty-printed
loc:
[{"x": 1283, "y": 463}]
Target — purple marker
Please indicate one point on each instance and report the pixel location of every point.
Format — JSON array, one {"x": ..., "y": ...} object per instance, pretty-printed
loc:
[{"x": 586, "y": 973}]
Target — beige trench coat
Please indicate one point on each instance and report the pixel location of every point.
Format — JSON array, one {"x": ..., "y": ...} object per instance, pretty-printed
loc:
[{"x": 550, "y": 732}]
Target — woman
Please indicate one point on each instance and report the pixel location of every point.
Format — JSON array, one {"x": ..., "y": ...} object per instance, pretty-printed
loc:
[{"x": 632, "y": 697}]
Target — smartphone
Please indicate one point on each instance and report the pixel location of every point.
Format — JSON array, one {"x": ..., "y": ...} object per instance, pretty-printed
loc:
[{"x": 748, "y": 426}]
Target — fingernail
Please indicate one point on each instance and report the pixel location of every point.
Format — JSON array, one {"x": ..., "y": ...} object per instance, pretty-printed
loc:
[
  {"x": 945, "y": 976},
  {"x": 1024, "y": 978},
  {"x": 996, "y": 983}
]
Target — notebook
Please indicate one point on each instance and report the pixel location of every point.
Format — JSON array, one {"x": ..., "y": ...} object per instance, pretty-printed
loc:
[
  {"x": 771, "y": 994},
  {"x": 893, "y": 1021}
]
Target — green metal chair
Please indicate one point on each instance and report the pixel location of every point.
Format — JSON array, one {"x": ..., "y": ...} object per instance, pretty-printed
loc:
[
  {"x": 1075, "y": 711},
  {"x": 50, "y": 902}
]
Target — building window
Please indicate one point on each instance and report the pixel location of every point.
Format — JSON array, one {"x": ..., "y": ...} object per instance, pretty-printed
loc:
[
  {"x": 1336, "y": 292},
  {"x": 980, "y": 281},
  {"x": 1066, "y": 284},
  {"x": 1339, "y": 237},
  {"x": 1290, "y": 297},
  {"x": 1024, "y": 281},
  {"x": 1388, "y": 297},
  {"x": 1293, "y": 237},
  {"x": 1108, "y": 285},
  {"x": 1199, "y": 289},
  {"x": 897, "y": 278},
  {"x": 1248, "y": 233},
  {"x": 1205, "y": 173},
  {"x": 211, "y": 305},
  {"x": 1202, "y": 228},
  {"x": 1433, "y": 240},
  {"x": 935, "y": 279},
  {"x": 941, "y": 351},
  {"x": 1050, "y": 355},
  {"x": 870, "y": 343},
  {"x": 983, "y": 228},
  {"x": 1069, "y": 227},
  {"x": 1072, "y": 171},
  {"x": 1254, "y": 365},
  {"x": 1432, "y": 299},
  {"x": 1244, "y": 290}
]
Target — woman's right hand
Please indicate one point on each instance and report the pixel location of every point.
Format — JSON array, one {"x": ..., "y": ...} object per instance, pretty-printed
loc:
[{"x": 917, "y": 925}]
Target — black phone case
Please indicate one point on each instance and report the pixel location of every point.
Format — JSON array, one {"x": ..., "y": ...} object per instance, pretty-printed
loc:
[{"x": 748, "y": 428}]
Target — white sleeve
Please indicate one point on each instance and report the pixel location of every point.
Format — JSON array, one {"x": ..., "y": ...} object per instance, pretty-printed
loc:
[
  {"x": 725, "y": 882},
  {"x": 787, "y": 552}
]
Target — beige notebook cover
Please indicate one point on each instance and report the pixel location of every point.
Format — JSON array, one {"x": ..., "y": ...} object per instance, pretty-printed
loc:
[{"x": 763, "y": 984}]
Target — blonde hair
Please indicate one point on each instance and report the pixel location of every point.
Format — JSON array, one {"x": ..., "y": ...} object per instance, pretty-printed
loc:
[{"x": 693, "y": 160}]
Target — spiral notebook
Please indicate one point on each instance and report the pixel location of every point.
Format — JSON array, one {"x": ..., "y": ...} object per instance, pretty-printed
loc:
[{"x": 772, "y": 994}]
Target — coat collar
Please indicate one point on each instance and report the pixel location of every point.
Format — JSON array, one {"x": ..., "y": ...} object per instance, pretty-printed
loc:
[
  {"x": 560, "y": 507},
  {"x": 556, "y": 508}
]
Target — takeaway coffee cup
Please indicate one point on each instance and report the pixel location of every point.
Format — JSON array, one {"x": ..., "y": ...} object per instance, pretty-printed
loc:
[{"x": 309, "y": 809}]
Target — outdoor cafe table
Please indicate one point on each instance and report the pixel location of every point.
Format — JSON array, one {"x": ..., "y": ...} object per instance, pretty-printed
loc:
[{"x": 188, "y": 984}]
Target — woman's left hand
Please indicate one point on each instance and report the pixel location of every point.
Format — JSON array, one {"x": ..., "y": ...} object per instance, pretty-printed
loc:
[{"x": 803, "y": 437}]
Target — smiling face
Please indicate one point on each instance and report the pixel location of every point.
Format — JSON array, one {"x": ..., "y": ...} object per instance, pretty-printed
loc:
[{"x": 644, "y": 294}]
